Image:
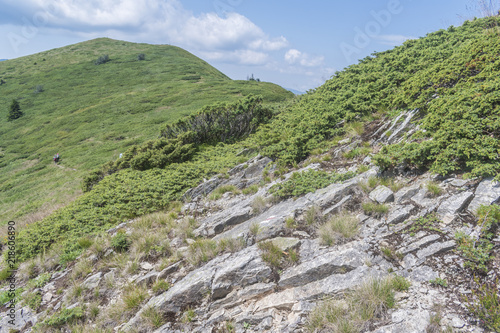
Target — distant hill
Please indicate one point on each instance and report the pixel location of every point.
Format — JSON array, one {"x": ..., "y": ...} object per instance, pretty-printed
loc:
[
  {"x": 296, "y": 92},
  {"x": 3, "y": 59},
  {"x": 91, "y": 113}
]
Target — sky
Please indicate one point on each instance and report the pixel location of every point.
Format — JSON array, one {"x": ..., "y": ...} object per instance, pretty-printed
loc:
[{"x": 297, "y": 44}]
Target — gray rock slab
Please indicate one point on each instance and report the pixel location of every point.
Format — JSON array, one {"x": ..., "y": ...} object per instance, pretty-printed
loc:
[
  {"x": 399, "y": 214},
  {"x": 20, "y": 319},
  {"x": 487, "y": 193},
  {"x": 187, "y": 291},
  {"x": 382, "y": 194},
  {"x": 436, "y": 248},
  {"x": 317, "y": 289},
  {"x": 93, "y": 281},
  {"x": 407, "y": 321},
  {"x": 240, "y": 270},
  {"x": 270, "y": 223},
  {"x": 147, "y": 279},
  {"x": 238, "y": 296},
  {"x": 458, "y": 182},
  {"x": 202, "y": 189},
  {"x": 255, "y": 169},
  {"x": 334, "y": 262},
  {"x": 169, "y": 270},
  {"x": 419, "y": 243},
  {"x": 454, "y": 205},
  {"x": 406, "y": 193},
  {"x": 422, "y": 274}
]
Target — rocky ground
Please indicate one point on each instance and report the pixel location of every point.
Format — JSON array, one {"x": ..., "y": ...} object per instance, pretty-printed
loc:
[{"x": 238, "y": 290}]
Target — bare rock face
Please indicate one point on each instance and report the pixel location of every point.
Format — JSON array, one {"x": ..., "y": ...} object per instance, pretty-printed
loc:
[
  {"x": 487, "y": 193},
  {"x": 454, "y": 205},
  {"x": 382, "y": 194},
  {"x": 242, "y": 289}
]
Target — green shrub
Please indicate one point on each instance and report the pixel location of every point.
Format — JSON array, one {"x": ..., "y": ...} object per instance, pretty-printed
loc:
[
  {"x": 275, "y": 257},
  {"x": 160, "y": 286},
  {"x": 38, "y": 89},
  {"x": 133, "y": 296},
  {"x": 307, "y": 181},
  {"x": 252, "y": 189},
  {"x": 120, "y": 242},
  {"x": 484, "y": 303},
  {"x": 33, "y": 300},
  {"x": 102, "y": 60},
  {"x": 219, "y": 191},
  {"x": 65, "y": 316},
  {"x": 14, "y": 111},
  {"x": 40, "y": 281},
  {"x": 439, "y": 282},
  {"x": 477, "y": 252}
]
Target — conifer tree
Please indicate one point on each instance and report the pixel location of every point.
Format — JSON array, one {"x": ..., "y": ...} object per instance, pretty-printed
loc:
[{"x": 14, "y": 110}]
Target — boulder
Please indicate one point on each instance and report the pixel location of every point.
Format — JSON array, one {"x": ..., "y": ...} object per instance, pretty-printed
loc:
[
  {"x": 238, "y": 271},
  {"x": 382, "y": 194},
  {"x": 454, "y": 205},
  {"x": 487, "y": 193},
  {"x": 93, "y": 281}
]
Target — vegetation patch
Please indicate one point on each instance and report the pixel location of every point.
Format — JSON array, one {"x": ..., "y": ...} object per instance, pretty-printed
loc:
[
  {"x": 374, "y": 209},
  {"x": 477, "y": 251},
  {"x": 339, "y": 228},
  {"x": 366, "y": 304},
  {"x": 308, "y": 181},
  {"x": 65, "y": 316},
  {"x": 275, "y": 257}
]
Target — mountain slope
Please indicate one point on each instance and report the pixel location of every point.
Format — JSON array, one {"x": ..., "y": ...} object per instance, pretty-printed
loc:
[{"x": 90, "y": 113}]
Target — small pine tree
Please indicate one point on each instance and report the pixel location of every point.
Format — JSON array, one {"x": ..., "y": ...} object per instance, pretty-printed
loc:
[{"x": 14, "y": 111}]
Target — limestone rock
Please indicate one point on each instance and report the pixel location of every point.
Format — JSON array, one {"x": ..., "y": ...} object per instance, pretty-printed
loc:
[
  {"x": 454, "y": 205},
  {"x": 93, "y": 281},
  {"x": 382, "y": 194},
  {"x": 334, "y": 262},
  {"x": 240, "y": 270},
  {"x": 487, "y": 193}
]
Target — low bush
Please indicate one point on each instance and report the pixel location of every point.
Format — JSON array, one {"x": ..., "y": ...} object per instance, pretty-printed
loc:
[
  {"x": 120, "y": 242},
  {"x": 484, "y": 303},
  {"x": 102, "y": 60},
  {"x": 307, "y": 181},
  {"x": 65, "y": 316}
]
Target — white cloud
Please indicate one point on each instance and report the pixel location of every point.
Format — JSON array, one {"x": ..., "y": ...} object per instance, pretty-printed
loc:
[
  {"x": 244, "y": 57},
  {"x": 392, "y": 40},
  {"x": 294, "y": 56},
  {"x": 231, "y": 37}
]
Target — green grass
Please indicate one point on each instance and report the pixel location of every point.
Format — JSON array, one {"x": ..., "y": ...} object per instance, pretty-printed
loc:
[
  {"x": 374, "y": 209},
  {"x": 90, "y": 114},
  {"x": 366, "y": 303},
  {"x": 341, "y": 227}
]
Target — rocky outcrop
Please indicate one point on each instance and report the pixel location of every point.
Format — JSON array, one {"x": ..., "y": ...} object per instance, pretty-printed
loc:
[{"x": 243, "y": 288}]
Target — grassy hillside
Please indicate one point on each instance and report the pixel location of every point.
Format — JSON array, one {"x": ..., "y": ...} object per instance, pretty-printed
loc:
[
  {"x": 89, "y": 113},
  {"x": 450, "y": 76}
]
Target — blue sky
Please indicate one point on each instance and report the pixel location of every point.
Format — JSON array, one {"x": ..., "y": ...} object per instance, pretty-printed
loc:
[{"x": 295, "y": 43}]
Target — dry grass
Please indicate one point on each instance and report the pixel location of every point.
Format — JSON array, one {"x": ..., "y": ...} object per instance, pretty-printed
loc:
[
  {"x": 340, "y": 227},
  {"x": 258, "y": 204},
  {"x": 366, "y": 303}
]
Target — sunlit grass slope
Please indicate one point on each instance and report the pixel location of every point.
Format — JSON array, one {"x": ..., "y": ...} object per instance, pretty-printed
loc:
[{"x": 90, "y": 113}]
